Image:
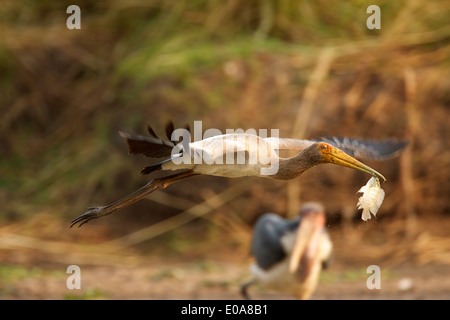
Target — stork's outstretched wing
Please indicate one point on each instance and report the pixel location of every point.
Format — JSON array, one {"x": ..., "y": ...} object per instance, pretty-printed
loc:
[
  {"x": 368, "y": 149},
  {"x": 362, "y": 149}
]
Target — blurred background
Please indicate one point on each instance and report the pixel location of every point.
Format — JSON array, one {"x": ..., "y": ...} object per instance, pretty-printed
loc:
[{"x": 308, "y": 68}]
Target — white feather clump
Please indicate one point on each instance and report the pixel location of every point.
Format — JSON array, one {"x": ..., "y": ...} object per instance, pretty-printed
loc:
[{"x": 371, "y": 199}]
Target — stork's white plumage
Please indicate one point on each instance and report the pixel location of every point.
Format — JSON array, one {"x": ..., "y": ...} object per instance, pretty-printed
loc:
[{"x": 229, "y": 155}]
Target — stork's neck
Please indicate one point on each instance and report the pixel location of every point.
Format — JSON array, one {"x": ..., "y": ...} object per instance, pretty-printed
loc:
[{"x": 290, "y": 168}]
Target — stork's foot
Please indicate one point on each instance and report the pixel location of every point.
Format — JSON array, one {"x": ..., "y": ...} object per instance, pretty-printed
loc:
[{"x": 93, "y": 213}]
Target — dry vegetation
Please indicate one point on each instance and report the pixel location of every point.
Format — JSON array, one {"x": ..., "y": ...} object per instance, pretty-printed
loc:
[{"x": 308, "y": 68}]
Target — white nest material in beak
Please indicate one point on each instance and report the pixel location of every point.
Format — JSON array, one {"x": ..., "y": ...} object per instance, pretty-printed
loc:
[{"x": 371, "y": 199}]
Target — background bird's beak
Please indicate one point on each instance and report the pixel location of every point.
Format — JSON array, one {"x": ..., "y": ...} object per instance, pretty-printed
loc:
[
  {"x": 304, "y": 234},
  {"x": 339, "y": 157}
]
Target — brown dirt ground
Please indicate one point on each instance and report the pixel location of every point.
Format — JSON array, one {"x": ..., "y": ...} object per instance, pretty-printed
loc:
[
  {"x": 415, "y": 268},
  {"x": 221, "y": 280}
]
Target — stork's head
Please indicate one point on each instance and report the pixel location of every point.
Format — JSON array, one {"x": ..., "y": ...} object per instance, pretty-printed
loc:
[
  {"x": 330, "y": 154},
  {"x": 311, "y": 225}
]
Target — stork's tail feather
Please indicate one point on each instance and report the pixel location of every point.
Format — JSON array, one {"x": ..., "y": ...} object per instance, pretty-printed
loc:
[
  {"x": 149, "y": 147},
  {"x": 153, "y": 146},
  {"x": 152, "y": 168},
  {"x": 155, "y": 167}
]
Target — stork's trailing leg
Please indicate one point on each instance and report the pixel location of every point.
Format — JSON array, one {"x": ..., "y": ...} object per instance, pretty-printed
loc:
[{"x": 155, "y": 184}]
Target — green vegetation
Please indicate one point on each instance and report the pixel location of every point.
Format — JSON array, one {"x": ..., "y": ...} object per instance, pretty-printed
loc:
[
  {"x": 12, "y": 273},
  {"x": 89, "y": 294},
  {"x": 66, "y": 93},
  {"x": 12, "y": 278},
  {"x": 353, "y": 275}
]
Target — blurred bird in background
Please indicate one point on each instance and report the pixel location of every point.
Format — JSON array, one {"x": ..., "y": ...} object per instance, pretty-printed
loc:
[{"x": 290, "y": 254}]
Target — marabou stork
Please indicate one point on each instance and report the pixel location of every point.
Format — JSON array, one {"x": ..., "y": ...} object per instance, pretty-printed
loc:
[
  {"x": 229, "y": 146},
  {"x": 290, "y": 254}
]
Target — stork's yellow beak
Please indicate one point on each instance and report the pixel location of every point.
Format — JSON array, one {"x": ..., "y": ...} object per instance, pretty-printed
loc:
[{"x": 332, "y": 154}]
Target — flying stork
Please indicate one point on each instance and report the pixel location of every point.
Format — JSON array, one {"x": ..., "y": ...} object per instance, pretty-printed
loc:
[{"x": 215, "y": 150}]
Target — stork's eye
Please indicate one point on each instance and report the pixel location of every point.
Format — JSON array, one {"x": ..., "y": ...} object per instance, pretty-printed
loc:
[{"x": 323, "y": 147}]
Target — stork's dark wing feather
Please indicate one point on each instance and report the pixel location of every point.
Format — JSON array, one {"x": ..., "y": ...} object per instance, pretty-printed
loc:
[
  {"x": 151, "y": 132},
  {"x": 150, "y": 147},
  {"x": 368, "y": 149},
  {"x": 266, "y": 242},
  {"x": 153, "y": 146},
  {"x": 169, "y": 130}
]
